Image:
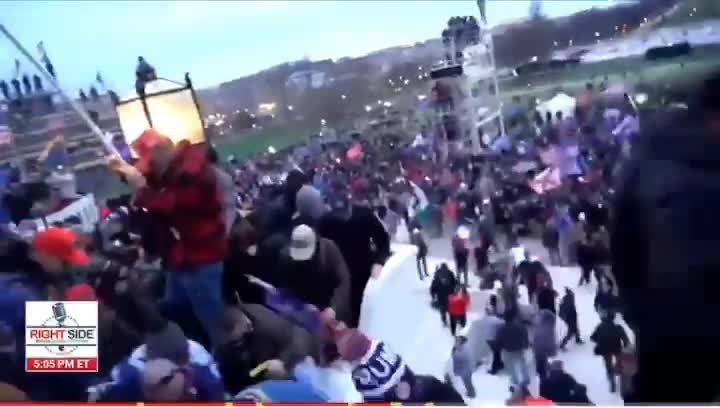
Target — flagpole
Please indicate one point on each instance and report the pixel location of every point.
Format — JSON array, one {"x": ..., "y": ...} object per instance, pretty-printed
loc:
[{"x": 73, "y": 104}]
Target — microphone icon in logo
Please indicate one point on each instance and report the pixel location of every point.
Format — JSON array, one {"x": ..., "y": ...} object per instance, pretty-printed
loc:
[{"x": 59, "y": 314}]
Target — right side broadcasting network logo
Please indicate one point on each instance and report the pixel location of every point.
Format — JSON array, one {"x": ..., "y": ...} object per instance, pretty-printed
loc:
[{"x": 61, "y": 336}]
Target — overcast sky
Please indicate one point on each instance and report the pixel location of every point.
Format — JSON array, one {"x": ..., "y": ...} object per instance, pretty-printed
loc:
[{"x": 220, "y": 41}]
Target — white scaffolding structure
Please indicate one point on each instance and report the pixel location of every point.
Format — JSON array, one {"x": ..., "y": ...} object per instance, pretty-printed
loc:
[{"x": 469, "y": 71}]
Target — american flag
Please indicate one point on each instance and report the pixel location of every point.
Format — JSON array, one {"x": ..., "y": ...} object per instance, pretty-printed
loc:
[{"x": 6, "y": 136}]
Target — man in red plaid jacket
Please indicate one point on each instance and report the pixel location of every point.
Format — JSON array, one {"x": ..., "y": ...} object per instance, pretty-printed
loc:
[{"x": 177, "y": 185}]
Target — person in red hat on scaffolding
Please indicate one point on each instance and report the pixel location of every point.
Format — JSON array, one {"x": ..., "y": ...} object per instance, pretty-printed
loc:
[{"x": 177, "y": 185}]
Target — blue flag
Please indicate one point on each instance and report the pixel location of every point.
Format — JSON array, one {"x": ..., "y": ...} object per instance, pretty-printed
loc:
[
  {"x": 289, "y": 306},
  {"x": 57, "y": 156}
]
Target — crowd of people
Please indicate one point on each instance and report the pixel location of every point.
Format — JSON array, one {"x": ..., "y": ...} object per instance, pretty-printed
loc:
[{"x": 244, "y": 281}]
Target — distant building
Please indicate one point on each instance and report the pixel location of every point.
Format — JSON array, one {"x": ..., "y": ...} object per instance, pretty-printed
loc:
[{"x": 307, "y": 79}]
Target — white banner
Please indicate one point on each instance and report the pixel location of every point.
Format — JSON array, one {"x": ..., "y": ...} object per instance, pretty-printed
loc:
[{"x": 84, "y": 208}]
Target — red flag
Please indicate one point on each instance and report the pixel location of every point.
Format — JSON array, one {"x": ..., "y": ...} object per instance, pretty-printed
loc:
[
  {"x": 537, "y": 401},
  {"x": 354, "y": 152}
]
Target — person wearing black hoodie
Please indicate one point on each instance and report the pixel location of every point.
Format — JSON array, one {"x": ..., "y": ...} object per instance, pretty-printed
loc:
[
  {"x": 606, "y": 302},
  {"x": 665, "y": 235},
  {"x": 514, "y": 340},
  {"x": 551, "y": 242},
  {"x": 610, "y": 339},
  {"x": 561, "y": 388},
  {"x": 246, "y": 257},
  {"x": 586, "y": 259},
  {"x": 568, "y": 314},
  {"x": 313, "y": 269},
  {"x": 442, "y": 286},
  {"x": 275, "y": 221},
  {"x": 363, "y": 242},
  {"x": 546, "y": 296}
]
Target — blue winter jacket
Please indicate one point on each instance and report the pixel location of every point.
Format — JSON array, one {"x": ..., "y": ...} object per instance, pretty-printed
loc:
[{"x": 280, "y": 391}]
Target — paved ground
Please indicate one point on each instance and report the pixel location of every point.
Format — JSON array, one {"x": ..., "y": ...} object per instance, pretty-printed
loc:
[{"x": 402, "y": 317}]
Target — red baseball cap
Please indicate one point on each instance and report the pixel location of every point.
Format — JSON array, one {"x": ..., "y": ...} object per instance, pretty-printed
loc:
[
  {"x": 81, "y": 291},
  {"x": 60, "y": 243}
]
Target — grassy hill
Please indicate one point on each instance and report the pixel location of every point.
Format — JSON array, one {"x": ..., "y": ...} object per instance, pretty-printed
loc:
[
  {"x": 692, "y": 11},
  {"x": 258, "y": 141}
]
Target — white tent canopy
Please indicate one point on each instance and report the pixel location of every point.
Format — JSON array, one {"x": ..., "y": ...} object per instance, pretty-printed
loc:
[{"x": 559, "y": 103}]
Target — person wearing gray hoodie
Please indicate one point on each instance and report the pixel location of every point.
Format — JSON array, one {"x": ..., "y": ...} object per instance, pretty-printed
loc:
[
  {"x": 310, "y": 206},
  {"x": 463, "y": 365},
  {"x": 544, "y": 343},
  {"x": 483, "y": 335}
]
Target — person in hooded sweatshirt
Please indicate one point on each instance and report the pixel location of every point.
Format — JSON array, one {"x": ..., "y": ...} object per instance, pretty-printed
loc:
[
  {"x": 442, "y": 286},
  {"x": 561, "y": 388},
  {"x": 514, "y": 341},
  {"x": 546, "y": 296},
  {"x": 363, "y": 242},
  {"x": 486, "y": 330},
  {"x": 664, "y": 241},
  {"x": 568, "y": 314},
  {"x": 606, "y": 302},
  {"x": 463, "y": 364},
  {"x": 314, "y": 270},
  {"x": 309, "y": 206},
  {"x": 275, "y": 220},
  {"x": 544, "y": 343},
  {"x": 586, "y": 259},
  {"x": 610, "y": 339},
  {"x": 245, "y": 257}
]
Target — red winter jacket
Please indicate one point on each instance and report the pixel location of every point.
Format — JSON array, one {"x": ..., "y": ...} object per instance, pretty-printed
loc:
[
  {"x": 187, "y": 206},
  {"x": 458, "y": 304}
]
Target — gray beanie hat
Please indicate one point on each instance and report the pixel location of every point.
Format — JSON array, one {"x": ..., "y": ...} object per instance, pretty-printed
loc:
[{"x": 309, "y": 202}]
